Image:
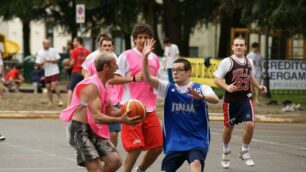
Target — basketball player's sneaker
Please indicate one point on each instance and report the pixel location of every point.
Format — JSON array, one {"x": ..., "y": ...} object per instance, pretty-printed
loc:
[
  {"x": 225, "y": 162},
  {"x": 245, "y": 156}
]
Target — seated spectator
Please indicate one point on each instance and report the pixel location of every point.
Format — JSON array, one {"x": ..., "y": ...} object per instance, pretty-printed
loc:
[
  {"x": 14, "y": 78},
  {"x": 38, "y": 79}
]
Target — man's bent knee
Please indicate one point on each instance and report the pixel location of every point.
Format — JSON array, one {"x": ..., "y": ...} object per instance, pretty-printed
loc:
[{"x": 196, "y": 163}]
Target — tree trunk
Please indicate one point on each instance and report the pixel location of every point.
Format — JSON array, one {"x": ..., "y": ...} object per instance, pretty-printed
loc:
[
  {"x": 224, "y": 40},
  {"x": 26, "y": 37},
  {"x": 127, "y": 40},
  {"x": 172, "y": 23},
  {"x": 184, "y": 49}
]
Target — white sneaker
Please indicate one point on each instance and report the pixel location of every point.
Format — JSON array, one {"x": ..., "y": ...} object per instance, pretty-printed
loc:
[
  {"x": 2, "y": 137},
  {"x": 137, "y": 169},
  {"x": 245, "y": 156},
  {"x": 225, "y": 162}
]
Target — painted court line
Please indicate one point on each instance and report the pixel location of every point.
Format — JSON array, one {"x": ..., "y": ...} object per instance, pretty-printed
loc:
[
  {"x": 40, "y": 151},
  {"x": 269, "y": 142},
  {"x": 38, "y": 169}
]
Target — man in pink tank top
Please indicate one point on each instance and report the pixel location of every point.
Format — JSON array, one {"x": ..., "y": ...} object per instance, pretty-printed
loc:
[
  {"x": 89, "y": 112},
  {"x": 115, "y": 91},
  {"x": 146, "y": 135}
]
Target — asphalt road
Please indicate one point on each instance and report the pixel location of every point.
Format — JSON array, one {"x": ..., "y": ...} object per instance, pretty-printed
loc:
[{"x": 40, "y": 145}]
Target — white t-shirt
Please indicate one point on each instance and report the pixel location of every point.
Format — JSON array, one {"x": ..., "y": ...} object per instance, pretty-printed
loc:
[
  {"x": 171, "y": 54},
  {"x": 256, "y": 59},
  {"x": 226, "y": 65},
  {"x": 163, "y": 85},
  {"x": 50, "y": 54},
  {"x": 90, "y": 57}
]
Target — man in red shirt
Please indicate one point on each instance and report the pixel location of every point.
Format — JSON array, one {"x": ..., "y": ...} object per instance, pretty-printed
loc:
[
  {"x": 14, "y": 78},
  {"x": 78, "y": 55}
]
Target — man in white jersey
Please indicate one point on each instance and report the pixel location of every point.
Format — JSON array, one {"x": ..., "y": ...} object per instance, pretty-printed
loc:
[
  {"x": 238, "y": 103},
  {"x": 48, "y": 59},
  {"x": 256, "y": 57},
  {"x": 186, "y": 124},
  {"x": 171, "y": 53}
]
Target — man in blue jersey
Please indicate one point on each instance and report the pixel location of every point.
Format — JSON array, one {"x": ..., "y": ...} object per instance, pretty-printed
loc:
[{"x": 186, "y": 124}]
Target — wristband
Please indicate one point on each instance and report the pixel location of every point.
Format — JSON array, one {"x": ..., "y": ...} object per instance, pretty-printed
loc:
[{"x": 134, "y": 79}]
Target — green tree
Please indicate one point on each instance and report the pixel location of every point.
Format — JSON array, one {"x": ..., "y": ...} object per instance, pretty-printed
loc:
[
  {"x": 180, "y": 18},
  {"x": 26, "y": 11}
]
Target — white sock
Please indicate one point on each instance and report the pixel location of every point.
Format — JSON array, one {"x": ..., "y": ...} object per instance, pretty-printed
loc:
[
  {"x": 226, "y": 148},
  {"x": 244, "y": 147}
]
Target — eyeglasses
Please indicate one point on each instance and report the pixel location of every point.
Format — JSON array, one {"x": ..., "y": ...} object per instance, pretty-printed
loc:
[{"x": 178, "y": 69}]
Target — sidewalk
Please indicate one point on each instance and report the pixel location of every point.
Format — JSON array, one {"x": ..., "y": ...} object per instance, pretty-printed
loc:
[
  {"x": 292, "y": 118},
  {"x": 34, "y": 106}
]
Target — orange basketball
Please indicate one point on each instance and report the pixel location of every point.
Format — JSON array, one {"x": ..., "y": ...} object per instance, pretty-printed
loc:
[{"x": 137, "y": 108}]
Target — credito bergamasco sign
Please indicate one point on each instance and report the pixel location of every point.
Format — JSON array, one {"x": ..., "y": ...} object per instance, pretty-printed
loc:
[{"x": 287, "y": 74}]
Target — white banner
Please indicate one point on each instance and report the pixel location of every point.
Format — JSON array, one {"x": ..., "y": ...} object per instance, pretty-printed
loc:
[{"x": 287, "y": 74}]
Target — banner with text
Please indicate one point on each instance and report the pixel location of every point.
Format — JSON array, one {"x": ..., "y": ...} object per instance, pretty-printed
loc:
[{"x": 287, "y": 74}]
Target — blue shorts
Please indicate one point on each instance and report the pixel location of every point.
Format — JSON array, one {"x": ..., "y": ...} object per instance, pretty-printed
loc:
[
  {"x": 76, "y": 77},
  {"x": 173, "y": 160},
  {"x": 115, "y": 127},
  {"x": 237, "y": 112}
]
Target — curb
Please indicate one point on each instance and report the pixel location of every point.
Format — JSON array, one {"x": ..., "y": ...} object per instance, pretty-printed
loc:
[{"x": 212, "y": 116}]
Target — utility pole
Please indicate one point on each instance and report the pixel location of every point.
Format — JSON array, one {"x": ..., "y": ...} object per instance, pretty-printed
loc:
[{"x": 266, "y": 64}]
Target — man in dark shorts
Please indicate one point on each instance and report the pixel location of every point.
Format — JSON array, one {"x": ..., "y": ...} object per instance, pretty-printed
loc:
[
  {"x": 89, "y": 112},
  {"x": 238, "y": 103},
  {"x": 47, "y": 58}
]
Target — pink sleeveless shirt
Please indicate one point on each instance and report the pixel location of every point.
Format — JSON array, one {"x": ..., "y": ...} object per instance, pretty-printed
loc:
[
  {"x": 142, "y": 91},
  {"x": 115, "y": 91},
  {"x": 100, "y": 130}
]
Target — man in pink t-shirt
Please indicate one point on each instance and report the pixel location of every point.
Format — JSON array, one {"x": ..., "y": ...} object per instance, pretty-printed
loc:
[{"x": 137, "y": 138}]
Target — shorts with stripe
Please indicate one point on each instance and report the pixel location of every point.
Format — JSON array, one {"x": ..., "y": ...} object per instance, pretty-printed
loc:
[
  {"x": 146, "y": 135},
  {"x": 236, "y": 112}
]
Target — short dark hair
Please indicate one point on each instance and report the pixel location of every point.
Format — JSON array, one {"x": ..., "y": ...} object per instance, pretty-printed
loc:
[
  {"x": 187, "y": 64},
  {"x": 167, "y": 41},
  {"x": 255, "y": 45},
  {"x": 142, "y": 28},
  {"x": 18, "y": 66},
  {"x": 106, "y": 39},
  {"x": 80, "y": 40},
  {"x": 102, "y": 35}
]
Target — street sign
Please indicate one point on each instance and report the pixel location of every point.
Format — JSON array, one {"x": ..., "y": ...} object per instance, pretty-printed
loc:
[{"x": 80, "y": 13}]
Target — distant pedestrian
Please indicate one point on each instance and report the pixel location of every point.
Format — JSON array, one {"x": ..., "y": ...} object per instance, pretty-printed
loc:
[
  {"x": 48, "y": 59},
  {"x": 257, "y": 60},
  {"x": 38, "y": 79},
  {"x": 77, "y": 57},
  {"x": 171, "y": 53},
  {"x": 14, "y": 78},
  {"x": 238, "y": 104}
]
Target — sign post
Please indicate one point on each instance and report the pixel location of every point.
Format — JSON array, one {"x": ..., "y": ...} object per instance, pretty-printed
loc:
[{"x": 80, "y": 15}]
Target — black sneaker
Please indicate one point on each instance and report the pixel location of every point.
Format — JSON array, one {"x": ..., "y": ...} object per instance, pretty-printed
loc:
[{"x": 2, "y": 137}]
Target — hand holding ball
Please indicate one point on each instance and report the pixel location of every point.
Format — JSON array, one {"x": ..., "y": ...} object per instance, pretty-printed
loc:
[{"x": 136, "y": 108}]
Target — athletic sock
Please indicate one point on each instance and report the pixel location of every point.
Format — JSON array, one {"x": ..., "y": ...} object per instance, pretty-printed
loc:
[
  {"x": 244, "y": 147},
  {"x": 226, "y": 148}
]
